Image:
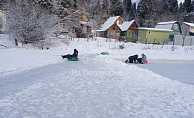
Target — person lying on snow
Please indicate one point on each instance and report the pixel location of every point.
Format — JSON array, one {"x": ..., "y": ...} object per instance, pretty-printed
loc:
[
  {"x": 75, "y": 55},
  {"x": 132, "y": 59},
  {"x": 142, "y": 60}
]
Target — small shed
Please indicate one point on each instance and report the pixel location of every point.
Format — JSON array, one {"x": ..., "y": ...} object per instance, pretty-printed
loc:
[
  {"x": 188, "y": 29},
  {"x": 172, "y": 25},
  {"x": 111, "y": 28},
  {"x": 129, "y": 31},
  {"x": 153, "y": 35}
]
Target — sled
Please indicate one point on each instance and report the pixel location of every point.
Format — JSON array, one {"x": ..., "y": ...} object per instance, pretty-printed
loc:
[
  {"x": 72, "y": 59},
  {"x": 104, "y": 53},
  {"x": 135, "y": 62}
]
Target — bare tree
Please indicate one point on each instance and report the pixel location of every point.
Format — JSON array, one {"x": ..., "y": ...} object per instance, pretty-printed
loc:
[{"x": 27, "y": 21}]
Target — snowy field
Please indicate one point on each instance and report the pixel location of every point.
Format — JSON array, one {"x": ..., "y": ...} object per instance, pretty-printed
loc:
[{"x": 40, "y": 84}]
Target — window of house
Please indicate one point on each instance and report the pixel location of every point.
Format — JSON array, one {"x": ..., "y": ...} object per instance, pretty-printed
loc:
[
  {"x": 114, "y": 27},
  {"x": 117, "y": 31},
  {"x": 1, "y": 24},
  {"x": 132, "y": 35},
  {"x": 119, "y": 23},
  {"x": 175, "y": 26},
  {"x": 133, "y": 25},
  {"x": 64, "y": 26},
  {"x": 111, "y": 33},
  {"x": 67, "y": 26},
  {"x": 82, "y": 18},
  {"x": 73, "y": 30}
]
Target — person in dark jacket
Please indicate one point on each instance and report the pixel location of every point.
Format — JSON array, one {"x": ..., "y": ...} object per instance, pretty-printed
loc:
[
  {"x": 75, "y": 53},
  {"x": 69, "y": 56},
  {"x": 132, "y": 59}
]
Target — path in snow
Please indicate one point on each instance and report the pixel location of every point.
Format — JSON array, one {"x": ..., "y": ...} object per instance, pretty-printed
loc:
[
  {"x": 13, "y": 83},
  {"x": 93, "y": 89}
]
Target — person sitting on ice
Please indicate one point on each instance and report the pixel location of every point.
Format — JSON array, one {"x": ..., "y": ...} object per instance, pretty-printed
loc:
[
  {"x": 142, "y": 60},
  {"x": 68, "y": 56},
  {"x": 75, "y": 53}
]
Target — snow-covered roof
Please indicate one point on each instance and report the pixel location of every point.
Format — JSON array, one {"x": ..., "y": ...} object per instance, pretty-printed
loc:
[
  {"x": 155, "y": 29},
  {"x": 99, "y": 30},
  {"x": 165, "y": 25},
  {"x": 109, "y": 23},
  {"x": 190, "y": 24},
  {"x": 85, "y": 23},
  {"x": 125, "y": 26}
]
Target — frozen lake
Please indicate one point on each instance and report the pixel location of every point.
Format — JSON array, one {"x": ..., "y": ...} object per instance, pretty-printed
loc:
[{"x": 182, "y": 71}]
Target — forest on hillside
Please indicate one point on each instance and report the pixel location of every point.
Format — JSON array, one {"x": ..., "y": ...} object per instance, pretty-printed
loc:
[
  {"x": 35, "y": 19},
  {"x": 147, "y": 12}
]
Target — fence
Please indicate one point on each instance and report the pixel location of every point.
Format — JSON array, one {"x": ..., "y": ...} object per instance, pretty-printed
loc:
[{"x": 188, "y": 40}]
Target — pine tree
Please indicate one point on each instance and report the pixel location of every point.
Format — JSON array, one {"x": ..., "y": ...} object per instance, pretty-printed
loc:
[
  {"x": 167, "y": 4},
  {"x": 188, "y": 6},
  {"x": 181, "y": 7},
  {"x": 174, "y": 6},
  {"x": 46, "y": 4},
  {"x": 127, "y": 8},
  {"x": 142, "y": 9},
  {"x": 66, "y": 3},
  {"x": 193, "y": 5},
  {"x": 171, "y": 5},
  {"x": 113, "y": 2},
  {"x": 128, "y": 5},
  {"x": 75, "y": 4},
  {"x": 133, "y": 12},
  {"x": 117, "y": 11},
  {"x": 2, "y": 3},
  {"x": 105, "y": 9},
  {"x": 105, "y": 4}
]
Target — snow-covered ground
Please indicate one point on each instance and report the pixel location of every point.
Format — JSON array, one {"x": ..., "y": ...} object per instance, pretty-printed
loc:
[{"x": 40, "y": 84}]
